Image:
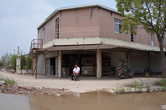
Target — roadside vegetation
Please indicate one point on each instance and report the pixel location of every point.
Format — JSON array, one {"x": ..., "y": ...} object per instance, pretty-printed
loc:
[
  {"x": 161, "y": 83},
  {"x": 136, "y": 87},
  {"x": 9, "y": 61},
  {"x": 8, "y": 81}
]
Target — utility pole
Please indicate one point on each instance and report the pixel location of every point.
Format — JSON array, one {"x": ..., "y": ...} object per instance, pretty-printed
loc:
[{"x": 18, "y": 50}]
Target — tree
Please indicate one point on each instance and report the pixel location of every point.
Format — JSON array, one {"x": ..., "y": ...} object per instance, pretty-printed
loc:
[
  {"x": 5, "y": 59},
  {"x": 13, "y": 62},
  {"x": 151, "y": 14},
  {"x": 23, "y": 62}
]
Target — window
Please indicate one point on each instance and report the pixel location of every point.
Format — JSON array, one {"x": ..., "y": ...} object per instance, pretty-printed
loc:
[
  {"x": 118, "y": 25},
  {"x": 132, "y": 37},
  {"x": 152, "y": 39},
  {"x": 43, "y": 34},
  {"x": 57, "y": 28}
]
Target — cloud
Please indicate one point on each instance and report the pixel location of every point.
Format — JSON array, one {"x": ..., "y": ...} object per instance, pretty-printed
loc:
[{"x": 19, "y": 20}]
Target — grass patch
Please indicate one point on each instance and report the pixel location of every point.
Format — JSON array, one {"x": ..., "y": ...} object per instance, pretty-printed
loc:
[
  {"x": 161, "y": 82},
  {"x": 120, "y": 90},
  {"x": 147, "y": 88},
  {"x": 8, "y": 81},
  {"x": 138, "y": 86}
]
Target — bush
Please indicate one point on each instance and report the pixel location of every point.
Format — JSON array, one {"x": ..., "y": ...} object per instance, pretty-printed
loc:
[
  {"x": 23, "y": 62},
  {"x": 13, "y": 62},
  {"x": 120, "y": 90},
  {"x": 5, "y": 59},
  {"x": 147, "y": 88},
  {"x": 8, "y": 81},
  {"x": 138, "y": 86},
  {"x": 161, "y": 82}
]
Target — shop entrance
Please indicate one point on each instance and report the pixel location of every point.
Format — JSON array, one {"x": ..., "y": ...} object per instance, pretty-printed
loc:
[{"x": 86, "y": 62}]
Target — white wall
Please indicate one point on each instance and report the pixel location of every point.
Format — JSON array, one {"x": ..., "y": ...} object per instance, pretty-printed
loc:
[
  {"x": 51, "y": 54},
  {"x": 41, "y": 61},
  {"x": 41, "y": 64}
]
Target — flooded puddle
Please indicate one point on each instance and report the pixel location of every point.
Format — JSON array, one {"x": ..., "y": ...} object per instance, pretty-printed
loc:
[{"x": 87, "y": 101}]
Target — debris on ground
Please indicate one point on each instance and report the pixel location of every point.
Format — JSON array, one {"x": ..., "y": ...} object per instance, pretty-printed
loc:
[{"x": 14, "y": 89}]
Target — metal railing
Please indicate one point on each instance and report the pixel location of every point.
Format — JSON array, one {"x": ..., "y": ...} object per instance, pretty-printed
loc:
[{"x": 36, "y": 44}]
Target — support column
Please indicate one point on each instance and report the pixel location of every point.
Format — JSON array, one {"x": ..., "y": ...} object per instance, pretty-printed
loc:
[
  {"x": 128, "y": 59},
  {"x": 59, "y": 63},
  {"x": 99, "y": 63},
  {"x": 149, "y": 60}
]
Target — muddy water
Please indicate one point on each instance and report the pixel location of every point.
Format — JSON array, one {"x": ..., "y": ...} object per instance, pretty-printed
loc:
[{"x": 87, "y": 101}]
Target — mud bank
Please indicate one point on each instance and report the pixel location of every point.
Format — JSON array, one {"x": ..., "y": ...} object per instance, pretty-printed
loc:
[{"x": 14, "y": 89}]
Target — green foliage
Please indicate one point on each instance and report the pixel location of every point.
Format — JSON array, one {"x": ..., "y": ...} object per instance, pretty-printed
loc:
[
  {"x": 138, "y": 86},
  {"x": 163, "y": 76},
  {"x": 161, "y": 82},
  {"x": 8, "y": 81},
  {"x": 128, "y": 89},
  {"x": 147, "y": 75},
  {"x": 149, "y": 13},
  {"x": 29, "y": 62},
  {"x": 148, "y": 88},
  {"x": 1, "y": 64},
  {"x": 120, "y": 90},
  {"x": 13, "y": 62},
  {"x": 5, "y": 59},
  {"x": 23, "y": 62},
  {"x": 164, "y": 88}
]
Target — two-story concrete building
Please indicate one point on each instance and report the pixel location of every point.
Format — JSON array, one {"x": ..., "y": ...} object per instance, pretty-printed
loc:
[{"x": 90, "y": 36}]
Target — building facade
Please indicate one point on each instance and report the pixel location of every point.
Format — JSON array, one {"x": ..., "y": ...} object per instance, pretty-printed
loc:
[{"x": 90, "y": 36}]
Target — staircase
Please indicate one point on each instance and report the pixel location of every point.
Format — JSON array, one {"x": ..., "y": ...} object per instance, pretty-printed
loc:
[{"x": 36, "y": 49}]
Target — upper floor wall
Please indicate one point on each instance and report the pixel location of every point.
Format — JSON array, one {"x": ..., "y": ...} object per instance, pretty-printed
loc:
[
  {"x": 72, "y": 23},
  {"x": 91, "y": 22}
]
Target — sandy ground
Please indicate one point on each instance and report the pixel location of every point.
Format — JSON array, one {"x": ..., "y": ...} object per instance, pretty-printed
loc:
[{"x": 85, "y": 84}]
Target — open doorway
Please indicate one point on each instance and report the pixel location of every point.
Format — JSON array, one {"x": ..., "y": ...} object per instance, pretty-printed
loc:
[{"x": 52, "y": 66}]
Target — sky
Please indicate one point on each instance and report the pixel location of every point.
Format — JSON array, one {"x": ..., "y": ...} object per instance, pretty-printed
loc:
[{"x": 19, "y": 20}]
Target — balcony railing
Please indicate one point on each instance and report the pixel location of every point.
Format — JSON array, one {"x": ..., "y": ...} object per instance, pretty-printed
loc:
[{"x": 36, "y": 44}]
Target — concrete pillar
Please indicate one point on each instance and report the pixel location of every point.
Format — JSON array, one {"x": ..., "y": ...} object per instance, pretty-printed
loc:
[
  {"x": 59, "y": 63},
  {"x": 99, "y": 63},
  {"x": 149, "y": 60},
  {"x": 18, "y": 65},
  {"x": 128, "y": 59}
]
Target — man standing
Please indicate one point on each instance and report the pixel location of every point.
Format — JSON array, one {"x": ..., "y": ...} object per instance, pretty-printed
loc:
[{"x": 76, "y": 72}]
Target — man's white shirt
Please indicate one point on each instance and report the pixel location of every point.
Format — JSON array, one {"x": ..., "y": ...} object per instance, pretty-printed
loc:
[{"x": 76, "y": 70}]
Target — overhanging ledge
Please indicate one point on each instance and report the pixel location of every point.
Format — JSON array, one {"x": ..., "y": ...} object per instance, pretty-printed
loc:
[
  {"x": 80, "y": 47},
  {"x": 95, "y": 43}
]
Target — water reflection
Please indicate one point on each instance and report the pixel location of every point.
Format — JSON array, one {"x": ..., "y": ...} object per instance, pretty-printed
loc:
[
  {"x": 14, "y": 102},
  {"x": 99, "y": 101},
  {"x": 77, "y": 95},
  {"x": 87, "y": 101}
]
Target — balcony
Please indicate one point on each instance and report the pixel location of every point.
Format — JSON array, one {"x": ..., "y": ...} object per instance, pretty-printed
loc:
[{"x": 36, "y": 44}]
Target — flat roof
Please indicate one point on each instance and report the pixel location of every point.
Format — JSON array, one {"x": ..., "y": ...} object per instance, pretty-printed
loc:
[{"x": 73, "y": 7}]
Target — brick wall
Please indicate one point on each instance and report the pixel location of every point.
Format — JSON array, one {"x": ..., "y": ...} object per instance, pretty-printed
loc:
[{"x": 77, "y": 23}]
